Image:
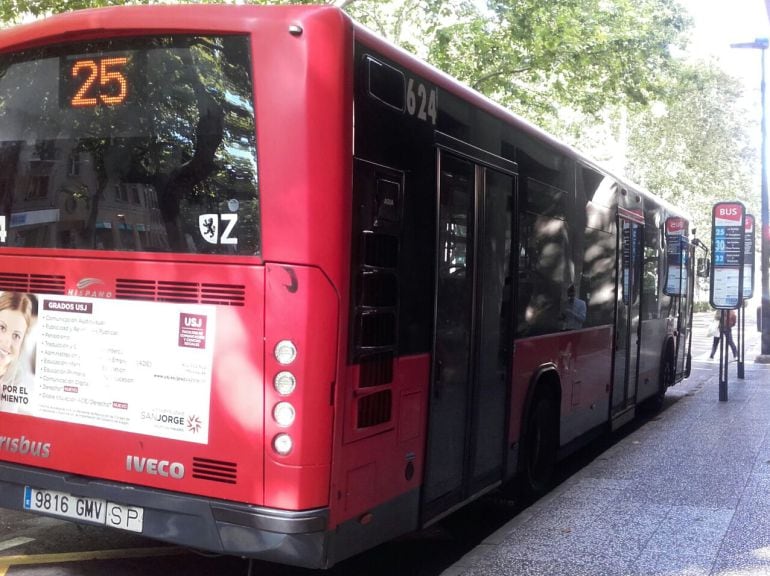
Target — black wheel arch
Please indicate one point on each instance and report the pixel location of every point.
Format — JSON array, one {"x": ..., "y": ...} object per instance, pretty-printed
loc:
[{"x": 545, "y": 380}]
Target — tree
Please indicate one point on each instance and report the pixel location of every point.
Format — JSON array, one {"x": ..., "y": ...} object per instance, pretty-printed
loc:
[
  {"x": 697, "y": 149},
  {"x": 12, "y": 11}
]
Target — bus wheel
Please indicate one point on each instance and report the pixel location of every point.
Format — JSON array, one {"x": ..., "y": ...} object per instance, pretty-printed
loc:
[{"x": 539, "y": 446}]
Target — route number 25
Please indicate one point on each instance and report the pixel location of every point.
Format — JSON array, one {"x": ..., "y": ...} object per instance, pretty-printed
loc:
[
  {"x": 421, "y": 101},
  {"x": 101, "y": 80}
]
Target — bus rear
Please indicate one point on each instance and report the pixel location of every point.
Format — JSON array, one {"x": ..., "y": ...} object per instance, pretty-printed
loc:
[{"x": 171, "y": 272}]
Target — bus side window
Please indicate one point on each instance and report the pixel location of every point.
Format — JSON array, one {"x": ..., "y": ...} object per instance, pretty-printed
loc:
[
  {"x": 541, "y": 283},
  {"x": 653, "y": 251},
  {"x": 594, "y": 245}
]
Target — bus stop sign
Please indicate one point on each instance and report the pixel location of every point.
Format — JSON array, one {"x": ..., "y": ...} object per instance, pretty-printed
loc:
[{"x": 727, "y": 255}]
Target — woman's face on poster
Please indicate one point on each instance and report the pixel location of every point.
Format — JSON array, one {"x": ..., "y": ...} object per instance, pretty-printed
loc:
[{"x": 13, "y": 328}]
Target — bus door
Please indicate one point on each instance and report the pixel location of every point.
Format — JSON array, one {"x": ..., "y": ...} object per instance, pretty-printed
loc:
[
  {"x": 685, "y": 311},
  {"x": 472, "y": 345},
  {"x": 627, "y": 324}
]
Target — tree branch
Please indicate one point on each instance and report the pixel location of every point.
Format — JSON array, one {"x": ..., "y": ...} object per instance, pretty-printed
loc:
[{"x": 497, "y": 73}]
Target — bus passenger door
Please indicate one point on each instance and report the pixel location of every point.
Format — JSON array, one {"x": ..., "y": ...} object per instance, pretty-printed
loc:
[
  {"x": 472, "y": 343},
  {"x": 627, "y": 324},
  {"x": 684, "y": 317}
]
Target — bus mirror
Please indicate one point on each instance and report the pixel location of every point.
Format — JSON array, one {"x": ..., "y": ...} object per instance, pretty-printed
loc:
[{"x": 704, "y": 267}]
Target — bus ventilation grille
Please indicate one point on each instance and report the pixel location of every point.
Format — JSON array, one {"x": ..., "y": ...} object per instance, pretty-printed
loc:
[
  {"x": 215, "y": 470},
  {"x": 182, "y": 292},
  {"x": 37, "y": 283},
  {"x": 376, "y": 371},
  {"x": 374, "y": 409}
]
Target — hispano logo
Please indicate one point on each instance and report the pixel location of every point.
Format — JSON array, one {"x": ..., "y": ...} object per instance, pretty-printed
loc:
[{"x": 91, "y": 287}]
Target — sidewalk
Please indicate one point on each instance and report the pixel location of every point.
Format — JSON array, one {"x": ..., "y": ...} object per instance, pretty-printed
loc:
[{"x": 687, "y": 494}]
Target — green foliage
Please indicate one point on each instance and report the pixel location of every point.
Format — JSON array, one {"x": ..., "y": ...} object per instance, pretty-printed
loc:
[
  {"x": 698, "y": 149},
  {"x": 12, "y": 11},
  {"x": 583, "y": 54},
  {"x": 409, "y": 23}
]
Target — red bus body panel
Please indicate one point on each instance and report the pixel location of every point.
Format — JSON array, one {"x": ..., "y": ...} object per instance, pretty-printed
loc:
[
  {"x": 582, "y": 360},
  {"x": 377, "y": 465}
]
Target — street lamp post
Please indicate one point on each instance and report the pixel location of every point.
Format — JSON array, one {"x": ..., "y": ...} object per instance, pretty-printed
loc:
[{"x": 761, "y": 44}]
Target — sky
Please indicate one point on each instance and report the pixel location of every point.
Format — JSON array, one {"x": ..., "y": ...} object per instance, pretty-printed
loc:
[{"x": 719, "y": 24}]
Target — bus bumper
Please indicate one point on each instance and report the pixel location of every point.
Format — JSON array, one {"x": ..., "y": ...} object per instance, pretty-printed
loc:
[{"x": 296, "y": 538}]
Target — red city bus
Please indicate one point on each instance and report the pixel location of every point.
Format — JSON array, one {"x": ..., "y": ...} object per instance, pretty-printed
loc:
[{"x": 233, "y": 322}]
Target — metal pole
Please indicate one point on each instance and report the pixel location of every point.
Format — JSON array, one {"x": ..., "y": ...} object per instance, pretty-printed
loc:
[
  {"x": 764, "y": 259},
  {"x": 765, "y": 247},
  {"x": 741, "y": 328},
  {"x": 723, "y": 357}
]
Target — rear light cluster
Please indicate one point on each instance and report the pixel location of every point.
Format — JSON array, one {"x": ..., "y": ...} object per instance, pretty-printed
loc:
[{"x": 284, "y": 383}]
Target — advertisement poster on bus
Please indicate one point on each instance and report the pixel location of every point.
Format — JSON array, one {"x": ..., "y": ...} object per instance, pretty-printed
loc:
[
  {"x": 727, "y": 252},
  {"x": 748, "y": 259},
  {"x": 141, "y": 367},
  {"x": 676, "y": 256}
]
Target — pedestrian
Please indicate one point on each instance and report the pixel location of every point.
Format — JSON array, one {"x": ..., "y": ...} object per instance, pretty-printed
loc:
[{"x": 725, "y": 328}]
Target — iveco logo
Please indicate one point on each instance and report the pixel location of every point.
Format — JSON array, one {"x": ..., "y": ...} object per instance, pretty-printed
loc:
[{"x": 155, "y": 467}]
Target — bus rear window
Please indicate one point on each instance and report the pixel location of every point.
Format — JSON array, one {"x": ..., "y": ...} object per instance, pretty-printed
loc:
[{"x": 144, "y": 144}]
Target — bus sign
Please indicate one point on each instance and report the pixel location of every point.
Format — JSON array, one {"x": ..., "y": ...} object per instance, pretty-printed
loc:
[
  {"x": 727, "y": 255},
  {"x": 676, "y": 256}
]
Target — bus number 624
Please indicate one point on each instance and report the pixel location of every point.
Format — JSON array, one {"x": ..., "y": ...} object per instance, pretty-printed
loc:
[{"x": 421, "y": 102}]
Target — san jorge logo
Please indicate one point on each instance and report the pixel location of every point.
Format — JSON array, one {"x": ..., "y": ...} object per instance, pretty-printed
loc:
[{"x": 194, "y": 424}]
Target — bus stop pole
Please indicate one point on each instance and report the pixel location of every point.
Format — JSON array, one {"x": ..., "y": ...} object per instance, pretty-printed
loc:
[
  {"x": 741, "y": 325},
  {"x": 723, "y": 359}
]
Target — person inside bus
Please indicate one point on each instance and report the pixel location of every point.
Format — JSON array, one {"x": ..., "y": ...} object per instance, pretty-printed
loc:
[
  {"x": 574, "y": 314},
  {"x": 17, "y": 313},
  {"x": 725, "y": 328}
]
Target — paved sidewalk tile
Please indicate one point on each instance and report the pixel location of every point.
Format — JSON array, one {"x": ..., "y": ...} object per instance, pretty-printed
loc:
[{"x": 687, "y": 494}]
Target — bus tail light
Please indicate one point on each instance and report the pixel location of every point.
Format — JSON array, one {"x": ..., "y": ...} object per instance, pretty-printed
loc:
[
  {"x": 283, "y": 444},
  {"x": 285, "y": 352},
  {"x": 284, "y": 383},
  {"x": 284, "y": 414}
]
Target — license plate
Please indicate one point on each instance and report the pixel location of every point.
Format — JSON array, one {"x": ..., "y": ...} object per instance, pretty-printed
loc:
[{"x": 94, "y": 510}]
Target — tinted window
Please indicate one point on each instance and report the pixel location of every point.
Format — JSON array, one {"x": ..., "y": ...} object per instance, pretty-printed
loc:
[
  {"x": 543, "y": 274},
  {"x": 546, "y": 199},
  {"x": 594, "y": 245},
  {"x": 386, "y": 83},
  {"x": 131, "y": 144}
]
